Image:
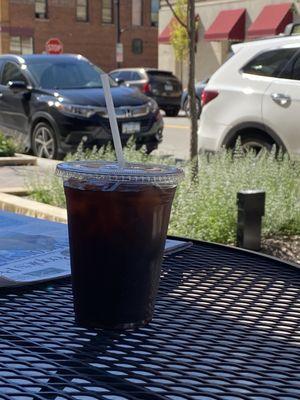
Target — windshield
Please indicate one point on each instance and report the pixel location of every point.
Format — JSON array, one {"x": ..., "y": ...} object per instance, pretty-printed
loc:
[{"x": 66, "y": 74}]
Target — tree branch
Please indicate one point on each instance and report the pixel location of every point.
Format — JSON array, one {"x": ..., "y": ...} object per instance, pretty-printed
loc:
[{"x": 175, "y": 15}]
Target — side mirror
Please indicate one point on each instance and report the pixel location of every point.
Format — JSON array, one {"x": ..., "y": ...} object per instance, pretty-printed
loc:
[
  {"x": 120, "y": 81},
  {"x": 18, "y": 86}
]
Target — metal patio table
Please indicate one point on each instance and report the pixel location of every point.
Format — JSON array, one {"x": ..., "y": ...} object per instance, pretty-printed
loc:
[{"x": 226, "y": 327}]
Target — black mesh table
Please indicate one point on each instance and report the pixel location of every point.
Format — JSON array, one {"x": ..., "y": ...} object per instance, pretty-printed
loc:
[{"x": 226, "y": 327}]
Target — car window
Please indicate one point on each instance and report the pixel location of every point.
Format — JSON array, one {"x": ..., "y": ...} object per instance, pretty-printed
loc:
[
  {"x": 1, "y": 66},
  {"x": 295, "y": 74},
  {"x": 114, "y": 75},
  {"x": 11, "y": 72},
  {"x": 270, "y": 63},
  {"x": 66, "y": 74},
  {"x": 135, "y": 76},
  {"x": 126, "y": 75},
  {"x": 161, "y": 77},
  {"x": 160, "y": 74}
]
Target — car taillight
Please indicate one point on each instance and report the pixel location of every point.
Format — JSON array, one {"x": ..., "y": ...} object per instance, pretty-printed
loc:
[
  {"x": 207, "y": 96},
  {"x": 146, "y": 88}
]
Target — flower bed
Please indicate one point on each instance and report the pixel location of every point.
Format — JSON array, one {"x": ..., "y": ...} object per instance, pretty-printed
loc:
[{"x": 206, "y": 209}]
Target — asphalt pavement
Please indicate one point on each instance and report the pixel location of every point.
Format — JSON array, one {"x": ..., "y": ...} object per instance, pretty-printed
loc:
[{"x": 176, "y": 137}]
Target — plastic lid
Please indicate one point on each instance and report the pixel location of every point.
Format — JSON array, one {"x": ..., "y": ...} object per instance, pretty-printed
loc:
[{"x": 108, "y": 171}]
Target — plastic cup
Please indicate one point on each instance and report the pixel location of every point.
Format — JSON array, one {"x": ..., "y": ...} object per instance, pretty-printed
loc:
[{"x": 118, "y": 221}]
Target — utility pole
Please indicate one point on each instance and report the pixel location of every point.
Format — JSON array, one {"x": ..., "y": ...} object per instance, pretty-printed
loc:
[
  {"x": 4, "y": 22},
  {"x": 119, "y": 46}
]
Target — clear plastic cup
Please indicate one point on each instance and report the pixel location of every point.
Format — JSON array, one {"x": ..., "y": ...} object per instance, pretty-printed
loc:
[{"x": 118, "y": 221}]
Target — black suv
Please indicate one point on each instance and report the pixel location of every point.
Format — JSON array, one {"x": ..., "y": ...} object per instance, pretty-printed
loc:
[
  {"x": 162, "y": 86},
  {"x": 52, "y": 102}
]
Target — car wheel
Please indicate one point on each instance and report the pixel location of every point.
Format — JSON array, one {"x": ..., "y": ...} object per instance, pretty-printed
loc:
[
  {"x": 172, "y": 112},
  {"x": 256, "y": 143},
  {"x": 44, "y": 141},
  {"x": 186, "y": 107}
]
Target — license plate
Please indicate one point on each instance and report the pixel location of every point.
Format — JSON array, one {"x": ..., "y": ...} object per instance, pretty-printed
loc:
[
  {"x": 131, "y": 127},
  {"x": 168, "y": 87}
]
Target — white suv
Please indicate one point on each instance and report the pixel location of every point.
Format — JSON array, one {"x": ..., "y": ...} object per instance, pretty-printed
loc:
[{"x": 255, "y": 95}]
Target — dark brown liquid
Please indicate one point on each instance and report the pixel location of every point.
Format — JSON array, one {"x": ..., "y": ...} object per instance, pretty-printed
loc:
[{"x": 117, "y": 241}]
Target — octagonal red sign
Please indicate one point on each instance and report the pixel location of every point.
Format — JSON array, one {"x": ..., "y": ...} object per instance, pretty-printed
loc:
[{"x": 54, "y": 46}]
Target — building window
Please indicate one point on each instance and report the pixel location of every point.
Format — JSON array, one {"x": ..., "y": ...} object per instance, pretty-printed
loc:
[
  {"x": 154, "y": 12},
  {"x": 82, "y": 10},
  {"x": 41, "y": 8},
  {"x": 137, "y": 12},
  {"x": 15, "y": 44},
  {"x": 27, "y": 45},
  {"x": 21, "y": 45},
  {"x": 107, "y": 11},
  {"x": 137, "y": 46}
]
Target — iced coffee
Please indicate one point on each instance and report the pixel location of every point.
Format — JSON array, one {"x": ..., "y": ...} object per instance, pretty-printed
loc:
[{"x": 118, "y": 221}]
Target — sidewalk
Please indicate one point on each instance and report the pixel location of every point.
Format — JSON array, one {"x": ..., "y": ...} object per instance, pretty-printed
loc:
[
  {"x": 13, "y": 179},
  {"x": 14, "y": 184}
]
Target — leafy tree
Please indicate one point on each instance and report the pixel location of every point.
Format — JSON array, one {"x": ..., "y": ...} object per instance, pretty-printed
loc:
[
  {"x": 179, "y": 34},
  {"x": 188, "y": 23}
]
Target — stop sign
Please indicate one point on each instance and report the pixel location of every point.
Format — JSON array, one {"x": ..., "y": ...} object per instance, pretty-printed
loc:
[{"x": 54, "y": 46}]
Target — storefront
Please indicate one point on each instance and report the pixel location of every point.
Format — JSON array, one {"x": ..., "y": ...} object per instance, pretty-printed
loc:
[{"x": 221, "y": 23}]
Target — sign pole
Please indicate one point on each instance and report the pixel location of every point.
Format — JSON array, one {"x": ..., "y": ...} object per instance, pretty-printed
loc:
[{"x": 119, "y": 46}]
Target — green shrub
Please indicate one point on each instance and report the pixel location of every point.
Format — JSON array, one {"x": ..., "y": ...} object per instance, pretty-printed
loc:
[
  {"x": 46, "y": 189},
  {"x": 7, "y": 146},
  {"x": 206, "y": 209}
]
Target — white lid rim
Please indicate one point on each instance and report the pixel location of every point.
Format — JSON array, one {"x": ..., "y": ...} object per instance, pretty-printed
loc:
[{"x": 110, "y": 172}]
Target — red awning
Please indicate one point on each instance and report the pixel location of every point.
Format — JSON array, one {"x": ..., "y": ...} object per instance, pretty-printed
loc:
[
  {"x": 165, "y": 35},
  {"x": 272, "y": 20},
  {"x": 229, "y": 25}
]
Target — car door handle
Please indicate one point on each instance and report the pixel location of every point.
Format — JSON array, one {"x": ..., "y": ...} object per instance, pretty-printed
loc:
[{"x": 281, "y": 99}]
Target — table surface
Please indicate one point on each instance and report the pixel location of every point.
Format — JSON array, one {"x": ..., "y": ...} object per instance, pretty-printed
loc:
[{"x": 226, "y": 327}]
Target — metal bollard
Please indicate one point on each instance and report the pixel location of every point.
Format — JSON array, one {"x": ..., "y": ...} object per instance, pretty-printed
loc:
[{"x": 251, "y": 209}]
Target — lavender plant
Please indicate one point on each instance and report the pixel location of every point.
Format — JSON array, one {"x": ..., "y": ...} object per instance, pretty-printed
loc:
[{"x": 206, "y": 208}]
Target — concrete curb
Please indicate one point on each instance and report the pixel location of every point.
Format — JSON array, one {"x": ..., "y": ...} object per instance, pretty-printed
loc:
[
  {"x": 16, "y": 190},
  {"x": 10, "y": 199},
  {"x": 18, "y": 159},
  {"x": 32, "y": 208}
]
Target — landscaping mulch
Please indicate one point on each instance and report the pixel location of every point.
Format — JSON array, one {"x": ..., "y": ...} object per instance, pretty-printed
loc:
[{"x": 287, "y": 248}]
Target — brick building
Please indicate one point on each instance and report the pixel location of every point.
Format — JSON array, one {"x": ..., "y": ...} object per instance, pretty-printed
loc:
[{"x": 88, "y": 27}]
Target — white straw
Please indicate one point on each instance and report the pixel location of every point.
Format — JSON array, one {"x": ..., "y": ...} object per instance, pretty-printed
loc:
[{"x": 113, "y": 120}]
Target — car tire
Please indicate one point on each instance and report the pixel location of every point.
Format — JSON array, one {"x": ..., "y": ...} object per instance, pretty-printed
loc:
[
  {"x": 172, "y": 112},
  {"x": 255, "y": 142},
  {"x": 186, "y": 107},
  {"x": 44, "y": 141}
]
